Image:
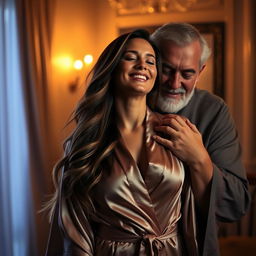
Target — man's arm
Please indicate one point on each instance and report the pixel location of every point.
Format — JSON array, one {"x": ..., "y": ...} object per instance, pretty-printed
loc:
[
  {"x": 230, "y": 188},
  {"x": 185, "y": 141}
]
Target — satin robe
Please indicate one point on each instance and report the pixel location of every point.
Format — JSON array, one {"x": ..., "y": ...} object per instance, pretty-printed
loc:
[{"x": 135, "y": 214}]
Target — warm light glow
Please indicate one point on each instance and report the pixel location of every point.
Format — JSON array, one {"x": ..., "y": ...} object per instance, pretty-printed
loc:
[
  {"x": 78, "y": 64},
  {"x": 151, "y": 10},
  {"x": 88, "y": 59},
  {"x": 64, "y": 62}
]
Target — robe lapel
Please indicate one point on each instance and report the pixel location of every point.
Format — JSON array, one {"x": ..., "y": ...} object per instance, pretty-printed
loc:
[{"x": 137, "y": 183}]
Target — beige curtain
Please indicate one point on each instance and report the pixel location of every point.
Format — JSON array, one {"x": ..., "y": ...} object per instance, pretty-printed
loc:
[{"x": 35, "y": 18}]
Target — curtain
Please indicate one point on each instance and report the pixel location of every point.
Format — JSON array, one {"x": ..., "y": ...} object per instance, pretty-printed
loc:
[
  {"x": 25, "y": 38},
  {"x": 34, "y": 29},
  {"x": 16, "y": 218}
]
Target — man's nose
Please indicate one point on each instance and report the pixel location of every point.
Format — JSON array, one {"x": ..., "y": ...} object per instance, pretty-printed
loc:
[{"x": 175, "y": 81}]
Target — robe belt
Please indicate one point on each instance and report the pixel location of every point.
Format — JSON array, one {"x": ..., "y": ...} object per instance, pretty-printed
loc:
[
  {"x": 154, "y": 244},
  {"x": 150, "y": 243}
]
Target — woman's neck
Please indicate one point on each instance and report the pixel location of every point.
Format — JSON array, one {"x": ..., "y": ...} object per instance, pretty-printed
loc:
[{"x": 131, "y": 113}]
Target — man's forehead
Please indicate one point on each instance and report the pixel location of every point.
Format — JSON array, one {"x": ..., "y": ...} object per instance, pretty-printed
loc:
[
  {"x": 184, "y": 68},
  {"x": 181, "y": 58},
  {"x": 190, "y": 49}
]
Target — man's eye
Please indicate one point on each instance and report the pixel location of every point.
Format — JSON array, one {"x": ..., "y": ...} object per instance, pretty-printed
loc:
[
  {"x": 186, "y": 75},
  {"x": 166, "y": 70}
]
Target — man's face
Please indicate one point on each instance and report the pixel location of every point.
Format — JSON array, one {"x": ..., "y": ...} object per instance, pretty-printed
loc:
[{"x": 181, "y": 70}]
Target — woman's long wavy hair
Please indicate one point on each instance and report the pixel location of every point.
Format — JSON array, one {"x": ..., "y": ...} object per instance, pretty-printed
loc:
[{"x": 89, "y": 148}]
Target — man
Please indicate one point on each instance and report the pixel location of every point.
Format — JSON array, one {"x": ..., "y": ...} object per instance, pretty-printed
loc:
[{"x": 200, "y": 131}]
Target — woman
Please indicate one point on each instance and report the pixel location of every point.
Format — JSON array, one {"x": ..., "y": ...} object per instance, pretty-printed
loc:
[{"x": 118, "y": 192}]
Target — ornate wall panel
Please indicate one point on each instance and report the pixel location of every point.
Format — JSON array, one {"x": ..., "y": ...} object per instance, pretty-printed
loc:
[{"x": 130, "y": 7}]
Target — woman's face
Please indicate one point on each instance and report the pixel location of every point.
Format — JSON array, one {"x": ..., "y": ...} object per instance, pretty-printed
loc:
[{"x": 136, "y": 72}]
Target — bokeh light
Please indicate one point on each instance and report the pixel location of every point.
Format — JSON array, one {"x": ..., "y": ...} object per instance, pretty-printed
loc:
[
  {"x": 78, "y": 64},
  {"x": 88, "y": 59}
]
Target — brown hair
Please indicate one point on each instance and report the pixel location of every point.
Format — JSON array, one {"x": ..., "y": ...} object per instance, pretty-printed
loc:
[{"x": 89, "y": 148}]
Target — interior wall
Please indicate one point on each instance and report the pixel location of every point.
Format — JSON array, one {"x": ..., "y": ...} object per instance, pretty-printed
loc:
[
  {"x": 253, "y": 88},
  {"x": 244, "y": 78},
  {"x": 74, "y": 35}
]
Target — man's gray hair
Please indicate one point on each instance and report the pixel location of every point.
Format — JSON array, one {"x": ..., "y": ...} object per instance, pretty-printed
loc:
[{"x": 181, "y": 34}]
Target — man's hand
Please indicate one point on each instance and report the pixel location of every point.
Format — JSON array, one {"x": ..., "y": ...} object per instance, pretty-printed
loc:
[
  {"x": 185, "y": 141},
  {"x": 182, "y": 138}
]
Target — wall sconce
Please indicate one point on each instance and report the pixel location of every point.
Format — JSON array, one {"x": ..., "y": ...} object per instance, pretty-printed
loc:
[
  {"x": 80, "y": 66},
  {"x": 77, "y": 68}
]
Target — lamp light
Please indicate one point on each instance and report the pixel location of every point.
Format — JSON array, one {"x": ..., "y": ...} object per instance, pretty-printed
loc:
[
  {"x": 63, "y": 62},
  {"x": 76, "y": 68},
  {"x": 78, "y": 64},
  {"x": 88, "y": 59},
  {"x": 81, "y": 67}
]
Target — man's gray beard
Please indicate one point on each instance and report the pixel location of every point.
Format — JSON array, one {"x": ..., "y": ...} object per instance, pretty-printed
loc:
[{"x": 168, "y": 105}]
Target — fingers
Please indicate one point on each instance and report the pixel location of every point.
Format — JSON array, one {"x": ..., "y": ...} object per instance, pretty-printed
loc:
[
  {"x": 177, "y": 122},
  {"x": 181, "y": 119},
  {"x": 165, "y": 142},
  {"x": 166, "y": 131},
  {"x": 171, "y": 123},
  {"x": 192, "y": 126},
  {"x": 173, "y": 120}
]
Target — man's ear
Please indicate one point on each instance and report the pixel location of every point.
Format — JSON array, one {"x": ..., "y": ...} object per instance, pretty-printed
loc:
[
  {"x": 202, "y": 68},
  {"x": 200, "y": 71}
]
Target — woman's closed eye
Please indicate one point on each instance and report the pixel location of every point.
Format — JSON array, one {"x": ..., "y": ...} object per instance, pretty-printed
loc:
[
  {"x": 130, "y": 56},
  {"x": 151, "y": 61}
]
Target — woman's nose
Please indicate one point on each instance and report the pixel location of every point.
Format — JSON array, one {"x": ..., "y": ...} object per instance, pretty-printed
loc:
[{"x": 141, "y": 64}]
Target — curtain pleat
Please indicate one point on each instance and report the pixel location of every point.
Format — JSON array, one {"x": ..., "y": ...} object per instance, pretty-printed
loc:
[{"x": 34, "y": 26}]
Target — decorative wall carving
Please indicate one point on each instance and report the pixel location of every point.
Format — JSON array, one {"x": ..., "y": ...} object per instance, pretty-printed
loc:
[
  {"x": 130, "y": 7},
  {"x": 188, "y": 5}
]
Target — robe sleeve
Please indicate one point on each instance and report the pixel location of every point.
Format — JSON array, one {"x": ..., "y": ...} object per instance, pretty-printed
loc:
[
  {"x": 229, "y": 193},
  {"x": 230, "y": 186},
  {"x": 69, "y": 235},
  {"x": 71, "y": 232}
]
